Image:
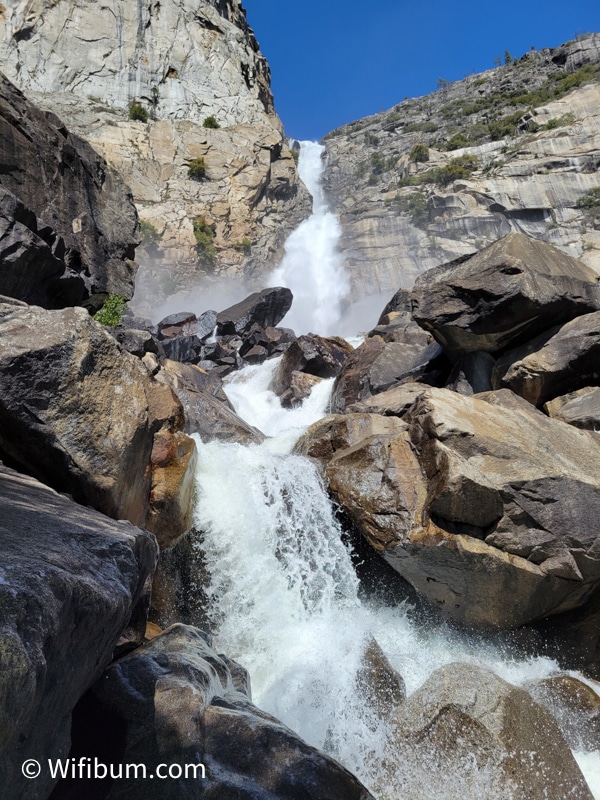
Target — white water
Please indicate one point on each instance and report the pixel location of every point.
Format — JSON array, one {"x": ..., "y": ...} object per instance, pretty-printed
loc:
[
  {"x": 286, "y": 602},
  {"x": 312, "y": 266}
]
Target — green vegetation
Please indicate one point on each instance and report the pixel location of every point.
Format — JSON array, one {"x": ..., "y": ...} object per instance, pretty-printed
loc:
[
  {"x": 295, "y": 155},
  {"x": 150, "y": 234},
  {"x": 371, "y": 139},
  {"x": 112, "y": 311},
  {"x": 415, "y": 205},
  {"x": 590, "y": 200},
  {"x": 559, "y": 122},
  {"x": 419, "y": 154},
  {"x": 197, "y": 168},
  {"x": 243, "y": 246},
  {"x": 420, "y": 127},
  {"x": 459, "y": 168},
  {"x": 137, "y": 112},
  {"x": 457, "y": 141},
  {"x": 211, "y": 122},
  {"x": 205, "y": 248}
]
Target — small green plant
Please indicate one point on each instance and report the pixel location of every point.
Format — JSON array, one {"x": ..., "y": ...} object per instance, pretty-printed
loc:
[
  {"x": 197, "y": 168},
  {"x": 295, "y": 155},
  {"x": 243, "y": 246},
  {"x": 590, "y": 200},
  {"x": 205, "y": 248},
  {"x": 112, "y": 311},
  {"x": 415, "y": 205},
  {"x": 137, "y": 112},
  {"x": 371, "y": 139},
  {"x": 559, "y": 122},
  {"x": 211, "y": 122},
  {"x": 150, "y": 234},
  {"x": 419, "y": 154},
  {"x": 457, "y": 141}
]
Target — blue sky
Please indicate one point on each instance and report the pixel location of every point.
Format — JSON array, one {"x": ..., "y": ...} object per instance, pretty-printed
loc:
[{"x": 334, "y": 61}]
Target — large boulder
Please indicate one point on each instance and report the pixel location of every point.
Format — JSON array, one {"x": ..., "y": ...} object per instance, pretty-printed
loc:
[
  {"x": 551, "y": 366},
  {"x": 502, "y": 296},
  {"x": 313, "y": 355},
  {"x": 210, "y": 416},
  {"x": 68, "y": 225},
  {"x": 175, "y": 701},
  {"x": 467, "y": 733},
  {"x": 86, "y": 418},
  {"x": 580, "y": 408},
  {"x": 484, "y": 504},
  {"x": 377, "y": 365},
  {"x": 72, "y": 582},
  {"x": 266, "y": 308}
]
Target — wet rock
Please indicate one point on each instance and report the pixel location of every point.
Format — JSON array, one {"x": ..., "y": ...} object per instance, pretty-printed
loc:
[
  {"x": 183, "y": 323},
  {"x": 574, "y": 705},
  {"x": 136, "y": 342},
  {"x": 206, "y": 407},
  {"x": 554, "y": 365},
  {"x": 378, "y": 682},
  {"x": 177, "y": 701},
  {"x": 301, "y": 385},
  {"x": 485, "y": 505},
  {"x": 67, "y": 217},
  {"x": 85, "y": 417},
  {"x": 313, "y": 355},
  {"x": 266, "y": 308},
  {"x": 376, "y": 366},
  {"x": 580, "y": 408},
  {"x": 72, "y": 583},
  {"x": 502, "y": 296},
  {"x": 467, "y": 733}
]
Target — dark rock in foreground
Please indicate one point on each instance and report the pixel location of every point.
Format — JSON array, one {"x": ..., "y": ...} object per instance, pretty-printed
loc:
[
  {"x": 178, "y": 702},
  {"x": 72, "y": 582},
  {"x": 266, "y": 308}
]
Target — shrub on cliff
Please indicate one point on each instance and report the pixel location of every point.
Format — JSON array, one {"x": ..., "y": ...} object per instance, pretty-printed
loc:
[
  {"x": 205, "y": 248},
  {"x": 197, "y": 168},
  {"x": 211, "y": 122},
  {"x": 137, "y": 112},
  {"x": 419, "y": 153}
]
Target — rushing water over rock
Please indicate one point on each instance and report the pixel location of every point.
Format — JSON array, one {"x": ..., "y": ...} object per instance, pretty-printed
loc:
[
  {"x": 312, "y": 266},
  {"x": 287, "y": 604}
]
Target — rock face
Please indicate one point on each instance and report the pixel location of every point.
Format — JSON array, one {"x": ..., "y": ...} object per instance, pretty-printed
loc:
[
  {"x": 71, "y": 582},
  {"x": 483, "y": 504},
  {"x": 502, "y": 296},
  {"x": 85, "y": 417},
  {"x": 184, "y": 62},
  {"x": 68, "y": 226},
  {"x": 176, "y": 701},
  {"x": 467, "y": 733},
  {"x": 531, "y": 134}
]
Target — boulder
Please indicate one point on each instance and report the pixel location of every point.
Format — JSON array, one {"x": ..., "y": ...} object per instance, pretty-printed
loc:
[
  {"x": 65, "y": 215},
  {"x": 377, "y": 365},
  {"x": 266, "y": 308},
  {"x": 313, "y": 355},
  {"x": 551, "y": 366},
  {"x": 472, "y": 373},
  {"x": 484, "y": 504},
  {"x": 85, "y": 417},
  {"x": 467, "y": 733},
  {"x": 301, "y": 385},
  {"x": 575, "y": 706},
  {"x": 176, "y": 701},
  {"x": 502, "y": 296},
  {"x": 72, "y": 582},
  {"x": 207, "y": 413},
  {"x": 580, "y": 408}
]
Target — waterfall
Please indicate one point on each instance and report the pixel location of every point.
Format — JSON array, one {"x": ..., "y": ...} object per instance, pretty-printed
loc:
[
  {"x": 312, "y": 266},
  {"x": 285, "y": 601}
]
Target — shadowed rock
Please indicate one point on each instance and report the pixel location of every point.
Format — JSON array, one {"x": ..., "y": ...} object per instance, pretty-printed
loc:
[{"x": 266, "y": 308}]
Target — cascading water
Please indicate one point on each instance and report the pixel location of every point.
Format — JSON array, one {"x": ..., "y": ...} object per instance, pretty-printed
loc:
[
  {"x": 286, "y": 604},
  {"x": 312, "y": 266}
]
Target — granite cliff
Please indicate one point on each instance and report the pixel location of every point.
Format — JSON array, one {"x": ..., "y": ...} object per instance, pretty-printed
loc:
[
  {"x": 212, "y": 176},
  {"x": 516, "y": 148}
]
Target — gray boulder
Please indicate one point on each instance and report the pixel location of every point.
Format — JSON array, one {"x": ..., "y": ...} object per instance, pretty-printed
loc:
[
  {"x": 266, "y": 308},
  {"x": 467, "y": 733},
  {"x": 502, "y": 296},
  {"x": 176, "y": 701},
  {"x": 580, "y": 408},
  {"x": 72, "y": 583}
]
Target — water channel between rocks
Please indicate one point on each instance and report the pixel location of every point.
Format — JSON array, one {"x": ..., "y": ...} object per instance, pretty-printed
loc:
[{"x": 285, "y": 598}]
